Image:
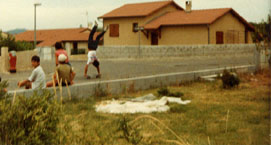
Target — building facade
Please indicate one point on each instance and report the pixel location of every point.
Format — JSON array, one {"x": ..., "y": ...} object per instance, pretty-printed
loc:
[{"x": 166, "y": 23}]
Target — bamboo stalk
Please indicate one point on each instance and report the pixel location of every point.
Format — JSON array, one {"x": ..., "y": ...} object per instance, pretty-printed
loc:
[
  {"x": 14, "y": 97},
  {"x": 60, "y": 89},
  {"x": 209, "y": 142},
  {"x": 69, "y": 91},
  {"x": 157, "y": 120},
  {"x": 227, "y": 121},
  {"x": 54, "y": 85}
]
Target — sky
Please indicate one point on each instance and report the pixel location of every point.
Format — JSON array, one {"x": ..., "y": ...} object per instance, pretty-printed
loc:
[{"x": 54, "y": 14}]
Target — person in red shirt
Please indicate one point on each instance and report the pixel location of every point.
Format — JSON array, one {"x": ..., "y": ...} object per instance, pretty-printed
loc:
[{"x": 60, "y": 50}]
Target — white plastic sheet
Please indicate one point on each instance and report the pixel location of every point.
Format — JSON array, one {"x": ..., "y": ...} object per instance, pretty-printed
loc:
[{"x": 145, "y": 104}]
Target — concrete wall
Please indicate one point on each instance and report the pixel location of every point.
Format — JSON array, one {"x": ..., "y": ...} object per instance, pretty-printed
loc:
[
  {"x": 126, "y": 34},
  {"x": 179, "y": 35},
  {"x": 4, "y": 60},
  {"x": 23, "y": 60},
  {"x": 230, "y": 25},
  {"x": 123, "y": 52}
]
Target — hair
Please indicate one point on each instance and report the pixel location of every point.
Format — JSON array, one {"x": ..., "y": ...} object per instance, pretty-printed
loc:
[
  {"x": 58, "y": 45},
  {"x": 35, "y": 58}
]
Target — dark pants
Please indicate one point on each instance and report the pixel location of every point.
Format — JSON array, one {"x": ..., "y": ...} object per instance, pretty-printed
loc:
[{"x": 93, "y": 44}]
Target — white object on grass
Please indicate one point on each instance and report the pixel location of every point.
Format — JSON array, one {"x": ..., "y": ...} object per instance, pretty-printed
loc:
[{"x": 145, "y": 104}]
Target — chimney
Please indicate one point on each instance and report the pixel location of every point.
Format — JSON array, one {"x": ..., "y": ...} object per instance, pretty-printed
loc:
[{"x": 188, "y": 6}]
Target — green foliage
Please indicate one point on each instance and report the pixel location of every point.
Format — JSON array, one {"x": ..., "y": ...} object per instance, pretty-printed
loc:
[
  {"x": 230, "y": 80},
  {"x": 166, "y": 92},
  {"x": 100, "y": 91},
  {"x": 31, "y": 121},
  {"x": 3, "y": 85},
  {"x": 262, "y": 31},
  {"x": 163, "y": 91},
  {"x": 10, "y": 42},
  {"x": 129, "y": 133}
]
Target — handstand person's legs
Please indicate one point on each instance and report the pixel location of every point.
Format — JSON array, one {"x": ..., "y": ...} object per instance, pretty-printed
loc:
[
  {"x": 91, "y": 35},
  {"x": 99, "y": 37}
]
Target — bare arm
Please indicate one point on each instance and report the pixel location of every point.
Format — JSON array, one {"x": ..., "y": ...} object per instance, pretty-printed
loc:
[
  {"x": 23, "y": 83},
  {"x": 86, "y": 70}
]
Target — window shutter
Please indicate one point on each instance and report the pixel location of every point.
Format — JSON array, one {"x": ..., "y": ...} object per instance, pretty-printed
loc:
[
  {"x": 114, "y": 30},
  {"x": 219, "y": 37}
]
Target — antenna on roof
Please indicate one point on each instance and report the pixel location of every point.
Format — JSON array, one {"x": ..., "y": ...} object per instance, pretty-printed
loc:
[{"x": 87, "y": 18}]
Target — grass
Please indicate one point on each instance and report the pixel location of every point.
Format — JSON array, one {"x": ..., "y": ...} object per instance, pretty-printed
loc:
[{"x": 203, "y": 122}]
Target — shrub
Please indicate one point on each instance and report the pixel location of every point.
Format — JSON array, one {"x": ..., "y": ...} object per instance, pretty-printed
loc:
[
  {"x": 229, "y": 79},
  {"x": 163, "y": 91},
  {"x": 130, "y": 133},
  {"x": 166, "y": 92},
  {"x": 31, "y": 121}
]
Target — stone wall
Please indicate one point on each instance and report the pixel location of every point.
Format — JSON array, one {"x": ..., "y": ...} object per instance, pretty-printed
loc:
[
  {"x": 23, "y": 60},
  {"x": 111, "y": 52}
]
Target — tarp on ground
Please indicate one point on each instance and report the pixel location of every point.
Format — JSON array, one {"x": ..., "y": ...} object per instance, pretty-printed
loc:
[{"x": 144, "y": 104}]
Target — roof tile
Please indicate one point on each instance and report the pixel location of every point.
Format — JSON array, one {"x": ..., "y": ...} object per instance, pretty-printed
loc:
[
  {"x": 51, "y": 36},
  {"x": 194, "y": 17},
  {"x": 138, "y": 9}
]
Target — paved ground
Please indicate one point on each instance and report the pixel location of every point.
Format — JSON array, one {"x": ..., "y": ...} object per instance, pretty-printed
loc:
[{"x": 115, "y": 69}]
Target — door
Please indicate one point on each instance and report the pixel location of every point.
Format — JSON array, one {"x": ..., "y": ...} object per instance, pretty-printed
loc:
[{"x": 154, "y": 38}]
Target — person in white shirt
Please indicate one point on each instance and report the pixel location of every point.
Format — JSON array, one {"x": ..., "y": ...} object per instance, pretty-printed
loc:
[{"x": 37, "y": 78}]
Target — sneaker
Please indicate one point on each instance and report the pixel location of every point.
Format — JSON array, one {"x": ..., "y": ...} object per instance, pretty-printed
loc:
[
  {"x": 95, "y": 23},
  {"x": 88, "y": 77},
  {"x": 98, "y": 76}
]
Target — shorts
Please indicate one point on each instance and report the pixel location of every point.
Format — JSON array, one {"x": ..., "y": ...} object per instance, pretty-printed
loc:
[
  {"x": 64, "y": 84},
  {"x": 96, "y": 63}
]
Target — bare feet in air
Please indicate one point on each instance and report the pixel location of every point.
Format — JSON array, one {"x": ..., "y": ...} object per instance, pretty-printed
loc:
[
  {"x": 106, "y": 28},
  {"x": 95, "y": 23}
]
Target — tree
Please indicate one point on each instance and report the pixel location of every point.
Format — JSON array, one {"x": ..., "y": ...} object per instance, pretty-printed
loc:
[{"x": 10, "y": 42}]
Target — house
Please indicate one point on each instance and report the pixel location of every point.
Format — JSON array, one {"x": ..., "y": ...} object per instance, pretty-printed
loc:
[
  {"x": 166, "y": 23},
  {"x": 75, "y": 40},
  {"x": 3, "y": 34}
]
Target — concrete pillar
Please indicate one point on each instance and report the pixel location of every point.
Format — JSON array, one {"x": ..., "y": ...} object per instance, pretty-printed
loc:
[
  {"x": 4, "y": 59},
  {"x": 68, "y": 48},
  {"x": 257, "y": 57}
]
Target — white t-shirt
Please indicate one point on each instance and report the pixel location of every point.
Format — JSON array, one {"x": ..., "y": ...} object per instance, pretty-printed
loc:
[
  {"x": 38, "y": 78},
  {"x": 91, "y": 56}
]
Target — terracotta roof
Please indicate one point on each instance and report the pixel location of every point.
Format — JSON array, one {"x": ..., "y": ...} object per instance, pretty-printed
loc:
[
  {"x": 139, "y": 9},
  {"x": 50, "y": 37},
  {"x": 195, "y": 17}
]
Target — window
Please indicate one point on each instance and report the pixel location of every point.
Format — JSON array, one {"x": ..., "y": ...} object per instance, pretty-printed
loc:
[
  {"x": 135, "y": 27},
  {"x": 219, "y": 37},
  {"x": 114, "y": 30}
]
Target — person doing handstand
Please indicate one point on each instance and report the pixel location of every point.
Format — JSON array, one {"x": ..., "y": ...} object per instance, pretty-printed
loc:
[{"x": 92, "y": 47}]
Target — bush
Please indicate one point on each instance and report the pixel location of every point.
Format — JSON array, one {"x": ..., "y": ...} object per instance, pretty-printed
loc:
[
  {"x": 230, "y": 79},
  {"x": 166, "y": 92},
  {"x": 31, "y": 121}
]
